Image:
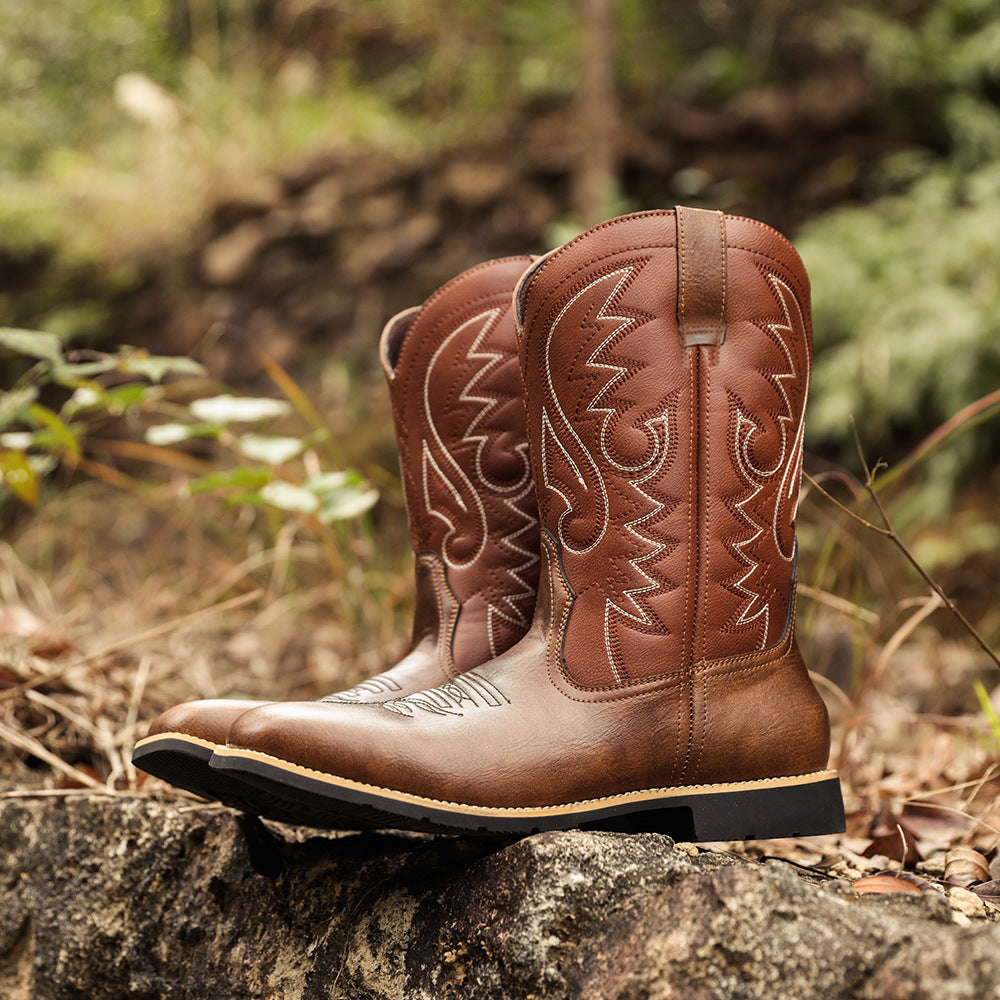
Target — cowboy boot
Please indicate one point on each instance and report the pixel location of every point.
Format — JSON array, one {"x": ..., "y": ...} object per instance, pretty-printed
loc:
[
  {"x": 455, "y": 388},
  {"x": 665, "y": 358}
]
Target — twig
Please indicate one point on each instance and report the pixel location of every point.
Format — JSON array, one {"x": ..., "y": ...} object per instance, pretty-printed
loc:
[
  {"x": 57, "y": 793},
  {"x": 846, "y": 510},
  {"x": 837, "y": 603},
  {"x": 38, "y": 749},
  {"x": 889, "y": 532},
  {"x": 929, "y": 606},
  {"x": 902, "y": 837},
  {"x": 968, "y": 417},
  {"x": 976, "y": 783},
  {"x": 957, "y": 812}
]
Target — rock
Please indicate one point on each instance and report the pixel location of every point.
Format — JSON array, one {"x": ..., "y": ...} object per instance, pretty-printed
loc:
[
  {"x": 134, "y": 899},
  {"x": 966, "y": 902}
]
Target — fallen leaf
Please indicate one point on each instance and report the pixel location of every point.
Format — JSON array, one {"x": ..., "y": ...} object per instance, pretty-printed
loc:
[
  {"x": 988, "y": 890},
  {"x": 930, "y": 822},
  {"x": 963, "y": 866},
  {"x": 885, "y": 883},
  {"x": 87, "y": 769},
  {"x": 892, "y": 837}
]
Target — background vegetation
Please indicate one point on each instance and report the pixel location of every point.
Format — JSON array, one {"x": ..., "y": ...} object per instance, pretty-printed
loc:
[{"x": 257, "y": 186}]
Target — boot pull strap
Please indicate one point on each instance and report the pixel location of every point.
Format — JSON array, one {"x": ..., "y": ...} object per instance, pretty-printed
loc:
[{"x": 701, "y": 277}]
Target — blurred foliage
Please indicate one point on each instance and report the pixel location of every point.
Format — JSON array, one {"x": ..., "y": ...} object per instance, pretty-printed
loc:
[
  {"x": 106, "y": 397},
  {"x": 121, "y": 125},
  {"x": 907, "y": 288}
]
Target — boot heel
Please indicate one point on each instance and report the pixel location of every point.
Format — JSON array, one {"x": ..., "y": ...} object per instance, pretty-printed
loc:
[{"x": 804, "y": 810}]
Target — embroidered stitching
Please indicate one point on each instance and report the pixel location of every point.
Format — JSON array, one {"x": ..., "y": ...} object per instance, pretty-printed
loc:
[{"x": 755, "y": 478}]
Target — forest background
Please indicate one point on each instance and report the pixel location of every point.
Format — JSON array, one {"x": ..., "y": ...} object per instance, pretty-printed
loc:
[{"x": 243, "y": 193}]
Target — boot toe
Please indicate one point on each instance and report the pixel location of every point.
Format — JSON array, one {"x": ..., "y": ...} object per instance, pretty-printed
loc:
[{"x": 208, "y": 719}]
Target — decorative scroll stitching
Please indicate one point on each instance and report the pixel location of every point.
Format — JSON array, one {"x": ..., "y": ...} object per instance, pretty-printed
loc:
[{"x": 789, "y": 462}]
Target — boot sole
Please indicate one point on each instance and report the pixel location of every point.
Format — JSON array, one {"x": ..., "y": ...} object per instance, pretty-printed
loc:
[
  {"x": 183, "y": 760},
  {"x": 799, "y": 806}
]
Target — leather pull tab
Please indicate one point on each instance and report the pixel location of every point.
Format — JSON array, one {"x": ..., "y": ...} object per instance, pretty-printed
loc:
[{"x": 701, "y": 277}]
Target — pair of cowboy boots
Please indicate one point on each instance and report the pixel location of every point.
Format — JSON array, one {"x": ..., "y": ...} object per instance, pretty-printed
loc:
[{"x": 637, "y": 457}]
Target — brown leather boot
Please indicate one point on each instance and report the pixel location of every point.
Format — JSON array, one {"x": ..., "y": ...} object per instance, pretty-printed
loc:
[
  {"x": 666, "y": 361},
  {"x": 455, "y": 387}
]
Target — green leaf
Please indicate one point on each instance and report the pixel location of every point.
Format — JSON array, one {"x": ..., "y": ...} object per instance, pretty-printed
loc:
[
  {"x": 122, "y": 397},
  {"x": 71, "y": 374},
  {"x": 62, "y": 435},
  {"x": 286, "y": 496},
  {"x": 273, "y": 450},
  {"x": 234, "y": 478},
  {"x": 33, "y": 343},
  {"x": 238, "y": 409},
  {"x": 19, "y": 477},
  {"x": 162, "y": 435},
  {"x": 12, "y": 403},
  {"x": 326, "y": 482},
  {"x": 155, "y": 368},
  {"x": 349, "y": 502}
]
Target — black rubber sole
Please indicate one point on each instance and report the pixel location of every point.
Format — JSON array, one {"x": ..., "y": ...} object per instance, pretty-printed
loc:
[
  {"x": 183, "y": 761},
  {"x": 802, "y": 806}
]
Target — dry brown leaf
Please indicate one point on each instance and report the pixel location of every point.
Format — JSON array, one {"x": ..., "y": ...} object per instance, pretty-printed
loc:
[
  {"x": 84, "y": 769},
  {"x": 892, "y": 837},
  {"x": 885, "y": 882},
  {"x": 930, "y": 822},
  {"x": 989, "y": 891},
  {"x": 918, "y": 880},
  {"x": 964, "y": 866}
]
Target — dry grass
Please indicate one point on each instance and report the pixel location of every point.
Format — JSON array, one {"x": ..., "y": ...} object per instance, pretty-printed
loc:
[{"x": 112, "y": 612}]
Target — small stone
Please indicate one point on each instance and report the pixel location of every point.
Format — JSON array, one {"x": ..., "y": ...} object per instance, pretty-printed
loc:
[
  {"x": 934, "y": 865},
  {"x": 965, "y": 902}
]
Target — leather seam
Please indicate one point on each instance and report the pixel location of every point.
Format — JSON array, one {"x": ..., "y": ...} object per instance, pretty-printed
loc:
[{"x": 446, "y": 659}]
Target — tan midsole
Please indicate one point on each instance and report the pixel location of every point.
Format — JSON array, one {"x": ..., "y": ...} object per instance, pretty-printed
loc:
[
  {"x": 186, "y": 737},
  {"x": 643, "y": 795}
]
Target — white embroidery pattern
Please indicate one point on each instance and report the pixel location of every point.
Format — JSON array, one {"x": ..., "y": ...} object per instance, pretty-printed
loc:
[
  {"x": 589, "y": 477},
  {"x": 457, "y": 480},
  {"x": 509, "y": 609},
  {"x": 455, "y": 697},
  {"x": 650, "y": 463},
  {"x": 790, "y": 459},
  {"x": 641, "y": 616},
  {"x": 516, "y": 496}
]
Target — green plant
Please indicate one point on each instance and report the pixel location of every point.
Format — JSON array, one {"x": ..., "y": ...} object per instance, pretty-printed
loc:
[
  {"x": 907, "y": 288},
  {"x": 128, "y": 389}
]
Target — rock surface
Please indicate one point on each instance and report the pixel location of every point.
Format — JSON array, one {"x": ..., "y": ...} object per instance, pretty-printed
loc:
[{"x": 135, "y": 899}]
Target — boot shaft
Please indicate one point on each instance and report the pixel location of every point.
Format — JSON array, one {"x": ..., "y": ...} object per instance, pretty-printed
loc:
[
  {"x": 666, "y": 360},
  {"x": 455, "y": 388}
]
